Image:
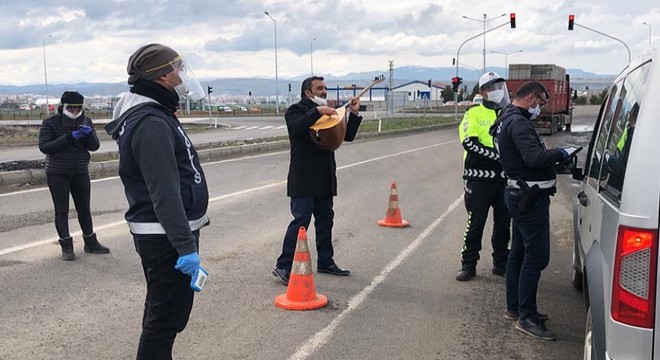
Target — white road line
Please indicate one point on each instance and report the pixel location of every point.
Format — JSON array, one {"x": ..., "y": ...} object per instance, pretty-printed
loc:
[
  {"x": 251, "y": 127},
  {"x": 281, "y": 127},
  {"x": 267, "y": 127},
  {"x": 322, "y": 337},
  {"x": 217, "y": 198},
  {"x": 238, "y": 127}
]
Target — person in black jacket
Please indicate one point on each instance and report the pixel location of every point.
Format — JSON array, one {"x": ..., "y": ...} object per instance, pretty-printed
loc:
[
  {"x": 531, "y": 180},
  {"x": 66, "y": 138},
  {"x": 312, "y": 179},
  {"x": 166, "y": 190}
]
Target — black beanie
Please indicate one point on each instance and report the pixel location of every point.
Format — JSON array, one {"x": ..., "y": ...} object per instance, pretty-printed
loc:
[
  {"x": 72, "y": 97},
  {"x": 150, "y": 62}
]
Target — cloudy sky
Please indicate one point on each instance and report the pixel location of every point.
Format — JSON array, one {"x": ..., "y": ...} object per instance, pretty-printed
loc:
[{"x": 91, "y": 41}]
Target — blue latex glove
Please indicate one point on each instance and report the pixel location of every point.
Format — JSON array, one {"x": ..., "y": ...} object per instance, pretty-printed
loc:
[
  {"x": 78, "y": 134},
  {"x": 564, "y": 154},
  {"x": 85, "y": 129},
  {"x": 188, "y": 264}
]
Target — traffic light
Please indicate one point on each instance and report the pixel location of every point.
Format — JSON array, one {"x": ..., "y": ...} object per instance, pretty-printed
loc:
[
  {"x": 429, "y": 83},
  {"x": 512, "y": 16},
  {"x": 456, "y": 81},
  {"x": 571, "y": 20},
  {"x": 289, "y": 87},
  {"x": 210, "y": 90},
  {"x": 249, "y": 93}
]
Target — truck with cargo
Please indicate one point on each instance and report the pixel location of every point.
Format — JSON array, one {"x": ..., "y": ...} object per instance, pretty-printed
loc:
[{"x": 557, "y": 114}]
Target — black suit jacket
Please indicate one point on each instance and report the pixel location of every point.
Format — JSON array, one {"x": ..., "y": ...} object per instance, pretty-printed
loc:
[{"x": 312, "y": 171}]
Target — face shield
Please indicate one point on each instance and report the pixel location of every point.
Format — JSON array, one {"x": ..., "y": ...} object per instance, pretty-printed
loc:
[
  {"x": 497, "y": 92},
  {"x": 189, "y": 86}
]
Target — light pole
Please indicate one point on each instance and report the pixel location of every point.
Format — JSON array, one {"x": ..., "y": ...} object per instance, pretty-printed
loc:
[
  {"x": 484, "y": 21},
  {"x": 311, "y": 55},
  {"x": 43, "y": 44},
  {"x": 649, "y": 25},
  {"x": 506, "y": 60},
  {"x": 277, "y": 90}
]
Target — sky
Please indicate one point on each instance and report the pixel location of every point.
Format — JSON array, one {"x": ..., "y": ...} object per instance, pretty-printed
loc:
[{"x": 91, "y": 41}]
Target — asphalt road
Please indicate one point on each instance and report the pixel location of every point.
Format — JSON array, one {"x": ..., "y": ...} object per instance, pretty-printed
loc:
[{"x": 401, "y": 301}]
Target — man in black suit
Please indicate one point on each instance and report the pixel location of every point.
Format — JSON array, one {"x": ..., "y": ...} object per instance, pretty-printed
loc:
[{"x": 312, "y": 180}]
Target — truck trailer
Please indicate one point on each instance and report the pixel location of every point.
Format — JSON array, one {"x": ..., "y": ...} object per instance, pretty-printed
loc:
[{"x": 557, "y": 114}]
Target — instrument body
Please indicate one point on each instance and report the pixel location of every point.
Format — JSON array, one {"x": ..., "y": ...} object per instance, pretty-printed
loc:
[{"x": 328, "y": 131}]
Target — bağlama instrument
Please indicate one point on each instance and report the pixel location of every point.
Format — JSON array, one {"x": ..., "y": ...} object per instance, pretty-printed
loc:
[{"x": 328, "y": 131}]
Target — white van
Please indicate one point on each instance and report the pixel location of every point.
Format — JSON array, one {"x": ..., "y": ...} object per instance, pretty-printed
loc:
[{"x": 616, "y": 219}]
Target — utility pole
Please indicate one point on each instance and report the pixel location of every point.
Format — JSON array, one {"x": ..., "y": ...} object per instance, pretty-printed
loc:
[{"x": 390, "y": 89}]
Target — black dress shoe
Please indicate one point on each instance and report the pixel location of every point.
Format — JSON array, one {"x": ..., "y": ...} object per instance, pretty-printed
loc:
[
  {"x": 334, "y": 270},
  {"x": 281, "y": 275}
]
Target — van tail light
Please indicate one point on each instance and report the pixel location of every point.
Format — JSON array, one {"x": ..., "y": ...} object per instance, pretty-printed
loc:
[{"x": 633, "y": 288}]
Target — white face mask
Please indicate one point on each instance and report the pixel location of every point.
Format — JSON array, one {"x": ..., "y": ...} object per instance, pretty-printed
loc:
[
  {"x": 71, "y": 115},
  {"x": 319, "y": 101},
  {"x": 495, "y": 96},
  {"x": 535, "y": 111}
]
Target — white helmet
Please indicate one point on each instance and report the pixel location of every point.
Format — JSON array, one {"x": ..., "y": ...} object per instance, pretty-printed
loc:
[{"x": 494, "y": 88}]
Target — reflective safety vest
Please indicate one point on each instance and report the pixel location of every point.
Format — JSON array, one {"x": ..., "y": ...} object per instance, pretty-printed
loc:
[{"x": 480, "y": 159}]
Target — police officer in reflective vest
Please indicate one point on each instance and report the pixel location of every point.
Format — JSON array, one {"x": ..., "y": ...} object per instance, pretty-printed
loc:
[{"x": 484, "y": 179}]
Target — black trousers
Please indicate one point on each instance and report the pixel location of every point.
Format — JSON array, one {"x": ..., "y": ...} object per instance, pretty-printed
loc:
[
  {"x": 302, "y": 209},
  {"x": 169, "y": 299},
  {"x": 78, "y": 185},
  {"x": 479, "y": 197}
]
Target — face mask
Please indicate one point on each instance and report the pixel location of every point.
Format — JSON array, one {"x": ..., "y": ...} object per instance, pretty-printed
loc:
[
  {"x": 535, "y": 111},
  {"x": 320, "y": 101},
  {"x": 495, "y": 96},
  {"x": 71, "y": 115}
]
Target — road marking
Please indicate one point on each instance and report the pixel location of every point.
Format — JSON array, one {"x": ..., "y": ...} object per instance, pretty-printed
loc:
[
  {"x": 267, "y": 127},
  {"x": 322, "y": 337},
  {"x": 211, "y": 200},
  {"x": 251, "y": 127},
  {"x": 238, "y": 127}
]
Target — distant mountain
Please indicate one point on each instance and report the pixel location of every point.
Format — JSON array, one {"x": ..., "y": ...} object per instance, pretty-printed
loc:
[{"x": 266, "y": 87}]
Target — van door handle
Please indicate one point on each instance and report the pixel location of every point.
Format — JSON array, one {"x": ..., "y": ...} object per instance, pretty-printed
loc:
[{"x": 583, "y": 198}]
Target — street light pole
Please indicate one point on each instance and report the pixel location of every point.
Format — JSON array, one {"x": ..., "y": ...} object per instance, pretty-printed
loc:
[
  {"x": 311, "y": 55},
  {"x": 43, "y": 44},
  {"x": 484, "y": 21},
  {"x": 277, "y": 90},
  {"x": 649, "y": 25},
  {"x": 506, "y": 60}
]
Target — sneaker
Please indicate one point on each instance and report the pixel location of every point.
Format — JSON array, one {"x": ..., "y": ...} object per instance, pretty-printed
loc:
[
  {"x": 465, "y": 275},
  {"x": 513, "y": 315},
  {"x": 498, "y": 271},
  {"x": 282, "y": 275},
  {"x": 535, "y": 329}
]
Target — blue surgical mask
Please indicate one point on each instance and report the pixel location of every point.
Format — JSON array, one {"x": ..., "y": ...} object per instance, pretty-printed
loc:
[{"x": 535, "y": 112}]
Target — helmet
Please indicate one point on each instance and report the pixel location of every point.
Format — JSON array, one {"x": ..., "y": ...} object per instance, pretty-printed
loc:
[{"x": 489, "y": 78}]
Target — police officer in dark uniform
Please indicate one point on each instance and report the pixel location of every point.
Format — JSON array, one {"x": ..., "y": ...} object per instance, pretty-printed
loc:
[
  {"x": 531, "y": 180},
  {"x": 484, "y": 179}
]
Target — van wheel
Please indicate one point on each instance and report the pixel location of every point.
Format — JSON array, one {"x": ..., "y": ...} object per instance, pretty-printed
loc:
[
  {"x": 589, "y": 353},
  {"x": 577, "y": 280}
]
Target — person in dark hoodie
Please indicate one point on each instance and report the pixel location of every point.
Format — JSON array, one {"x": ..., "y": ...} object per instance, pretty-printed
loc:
[
  {"x": 66, "y": 138},
  {"x": 312, "y": 179},
  {"x": 166, "y": 190},
  {"x": 531, "y": 180}
]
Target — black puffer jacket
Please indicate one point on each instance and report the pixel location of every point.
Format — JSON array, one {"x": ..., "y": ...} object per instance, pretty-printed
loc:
[{"x": 64, "y": 154}]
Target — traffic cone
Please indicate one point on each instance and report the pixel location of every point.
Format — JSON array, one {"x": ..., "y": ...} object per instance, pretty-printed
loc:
[
  {"x": 301, "y": 292},
  {"x": 393, "y": 215}
]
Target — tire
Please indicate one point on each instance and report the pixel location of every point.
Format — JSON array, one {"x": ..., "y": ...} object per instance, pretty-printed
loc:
[
  {"x": 589, "y": 352},
  {"x": 577, "y": 280},
  {"x": 568, "y": 127}
]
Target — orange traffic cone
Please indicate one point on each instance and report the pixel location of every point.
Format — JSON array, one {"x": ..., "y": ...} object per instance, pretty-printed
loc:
[
  {"x": 393, "y": 215},
  {"x": 301, "y": 292}
]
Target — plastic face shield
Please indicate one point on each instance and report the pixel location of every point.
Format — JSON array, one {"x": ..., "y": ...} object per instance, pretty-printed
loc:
[
  {"x": 190, "y": 86},
  {"x": 499, "y": 85}
]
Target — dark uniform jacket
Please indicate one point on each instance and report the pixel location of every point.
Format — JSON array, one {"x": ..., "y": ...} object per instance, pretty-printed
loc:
[
  {"x": 163, "y": 179},
  {"x": 312, "y": 171},
  {"x": 522, "y": 153},
  {"x": 64, "y": 154}
]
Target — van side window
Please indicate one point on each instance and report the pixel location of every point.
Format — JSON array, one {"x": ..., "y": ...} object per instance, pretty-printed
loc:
[
  {"x": 622, "y": 129},
  {"x": 594, "y": 164}
]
